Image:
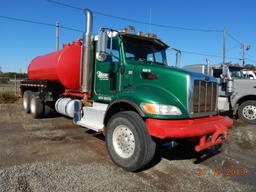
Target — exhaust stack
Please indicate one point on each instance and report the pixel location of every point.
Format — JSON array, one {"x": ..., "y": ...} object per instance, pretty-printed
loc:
[{"x": 86, "y": 63}]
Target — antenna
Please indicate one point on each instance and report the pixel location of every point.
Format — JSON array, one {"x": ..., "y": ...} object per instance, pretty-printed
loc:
[{"x": 150, "y": 20}]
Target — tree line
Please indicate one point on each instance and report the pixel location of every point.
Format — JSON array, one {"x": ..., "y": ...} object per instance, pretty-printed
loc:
[
  {"x": 5, "y": 77},
  {"x": 12, "y": 75}
]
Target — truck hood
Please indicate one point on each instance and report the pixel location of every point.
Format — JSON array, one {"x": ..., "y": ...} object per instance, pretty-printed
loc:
[
  {"x": 174, "y": 83},
  {"x": 245, "y": 86}
]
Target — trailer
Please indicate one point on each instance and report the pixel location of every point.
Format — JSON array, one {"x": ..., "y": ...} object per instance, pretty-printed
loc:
[{"x": 119, "y": 83}]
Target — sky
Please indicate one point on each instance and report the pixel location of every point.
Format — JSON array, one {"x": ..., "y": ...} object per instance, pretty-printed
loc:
[{"x": 21, "y": 42}]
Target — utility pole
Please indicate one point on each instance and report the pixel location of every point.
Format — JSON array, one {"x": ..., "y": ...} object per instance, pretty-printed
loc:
[
  {"x": 15, "y": 77},
  {"x": 224, "y": 45},
  {"x": 243, "y": 54},
  {"x": 244, "y": 48},
  {"x": 57, "y": 34}
]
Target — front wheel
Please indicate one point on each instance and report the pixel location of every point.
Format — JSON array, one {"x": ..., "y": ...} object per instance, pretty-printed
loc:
[
  {"x": 247, "y": 111},
  {"x": 128, "y": 142}
]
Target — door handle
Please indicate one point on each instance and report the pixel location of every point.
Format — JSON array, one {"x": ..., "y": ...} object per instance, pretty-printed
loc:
[{"x": 148, "y": 75}]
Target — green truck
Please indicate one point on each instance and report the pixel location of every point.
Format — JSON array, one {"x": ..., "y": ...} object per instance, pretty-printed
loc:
[{"x": 119, "y": 83}]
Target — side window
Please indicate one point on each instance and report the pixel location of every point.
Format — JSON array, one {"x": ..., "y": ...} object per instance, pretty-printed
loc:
[
  {"x": 115, "y": 50},
  {"x": 159, "y": 57},
  {"x": 150, "y": 57},
  {"x": 130, "y": 56},
  {"x": 217, "y": 73}
]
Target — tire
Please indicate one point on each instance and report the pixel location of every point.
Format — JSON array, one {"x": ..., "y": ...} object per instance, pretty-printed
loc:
[
  {"x": 128, "y": 143},
  {"x": 247, "y": 111},
  {"x": 36, "y": 106},
  {"x": 47, "y": 110},
  {"x": 26, "y": 101}
]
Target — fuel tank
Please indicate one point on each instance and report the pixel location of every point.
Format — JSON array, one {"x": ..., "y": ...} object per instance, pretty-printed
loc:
[{"x": 62, "y": 66}]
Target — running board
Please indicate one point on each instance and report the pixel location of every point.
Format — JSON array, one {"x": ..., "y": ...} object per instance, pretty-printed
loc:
[{"x": 93, "y": 117}]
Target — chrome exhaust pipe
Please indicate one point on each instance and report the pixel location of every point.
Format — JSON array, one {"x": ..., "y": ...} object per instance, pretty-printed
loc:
[{"x": 86, "y": 61}]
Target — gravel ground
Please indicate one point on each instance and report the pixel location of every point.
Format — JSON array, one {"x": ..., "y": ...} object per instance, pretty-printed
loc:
[
  {"x": 52, "y": 154},
  {"x": 50, "y": 176},
  {"x": 58, "y": 176}
]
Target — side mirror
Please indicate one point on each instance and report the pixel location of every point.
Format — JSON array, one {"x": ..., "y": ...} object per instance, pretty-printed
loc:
[{"x": 101, "y": 53}]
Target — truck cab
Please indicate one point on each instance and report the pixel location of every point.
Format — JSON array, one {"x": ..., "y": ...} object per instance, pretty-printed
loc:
[
  {"x": 136, "y": 70},
  {"x": 236, "y": 92}
]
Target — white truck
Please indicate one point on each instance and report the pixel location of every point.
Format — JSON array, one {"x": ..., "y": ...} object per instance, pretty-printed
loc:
[
  {"x": 236, "y": 94},
  {"x": 248, "y": 74}
]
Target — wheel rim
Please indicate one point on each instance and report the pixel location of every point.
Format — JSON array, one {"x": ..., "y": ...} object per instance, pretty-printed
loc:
[
  {"x": 123, "y": 141},
  {"x": 33, "y": 106},
  {"x": 249, "y": 112}
]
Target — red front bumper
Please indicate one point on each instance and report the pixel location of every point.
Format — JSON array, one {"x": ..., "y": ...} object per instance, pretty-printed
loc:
[{"x": 201, "y": 128}]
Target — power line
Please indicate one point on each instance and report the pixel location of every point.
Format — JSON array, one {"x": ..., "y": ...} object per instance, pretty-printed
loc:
[
  {"x": 137, "y": 21},
  {"x": 39, "y": 23},
  {"x": 252, "y": 60},
  {"x": 232, "y": 48},
  {"x": 234, "y": 38},
  {"x": 251, "y": 56},
  {"x": 207, "y": 55},
  {"x": 201, "y": 54}
]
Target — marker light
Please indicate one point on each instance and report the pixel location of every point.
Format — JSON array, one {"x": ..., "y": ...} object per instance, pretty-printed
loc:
[{"x": 140, "y": 33}]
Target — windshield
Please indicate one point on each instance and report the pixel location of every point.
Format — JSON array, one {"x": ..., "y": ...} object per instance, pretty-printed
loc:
[
  {"x": 142, "y": 50},
  {"x": 236, "y": 72}
]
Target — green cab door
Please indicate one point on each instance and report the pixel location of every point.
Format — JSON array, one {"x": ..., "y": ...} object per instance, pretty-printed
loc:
[{"x": 107, "y": 74}]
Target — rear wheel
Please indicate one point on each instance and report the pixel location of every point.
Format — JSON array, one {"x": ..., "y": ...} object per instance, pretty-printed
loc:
[
  {"x": 47, "y": 110},
  {"x": 26, "y": 101},
  {"x": 36, "y": 106},
  {"x": 247, "y": 111},
  {"x": 128, "y": 142}
]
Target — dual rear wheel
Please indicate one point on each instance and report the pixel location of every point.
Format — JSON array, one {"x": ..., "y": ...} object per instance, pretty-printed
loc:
[{"x": 33, "y": 104}]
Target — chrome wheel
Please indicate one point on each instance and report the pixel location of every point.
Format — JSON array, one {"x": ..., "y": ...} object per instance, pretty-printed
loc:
[
  {"x": 249, "y": 112},
  {"x": 128, "y": 143},
  {"x": 123, "y": 141}
]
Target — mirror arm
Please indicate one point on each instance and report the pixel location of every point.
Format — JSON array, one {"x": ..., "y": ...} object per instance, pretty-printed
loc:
[
  {"x": 122, "y": 68},
  {"x": 178, "y": 54}
]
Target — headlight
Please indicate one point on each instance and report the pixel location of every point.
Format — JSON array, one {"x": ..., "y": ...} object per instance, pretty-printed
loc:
[{"x": 158, "y": 109}]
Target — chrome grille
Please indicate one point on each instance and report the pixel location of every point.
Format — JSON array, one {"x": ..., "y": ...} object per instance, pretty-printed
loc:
[{"x": 204, "y": 97}]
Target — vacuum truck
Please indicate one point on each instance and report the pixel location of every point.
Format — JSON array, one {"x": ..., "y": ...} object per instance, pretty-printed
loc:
[{"x": 119, "y": 83}]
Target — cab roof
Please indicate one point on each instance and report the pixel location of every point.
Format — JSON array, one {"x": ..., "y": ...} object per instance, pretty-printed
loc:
[{"x": 142, "y": 37}]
